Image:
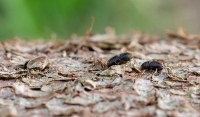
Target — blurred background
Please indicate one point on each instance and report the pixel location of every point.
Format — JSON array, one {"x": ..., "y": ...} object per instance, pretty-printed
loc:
[{"x": 31, "y": 19}]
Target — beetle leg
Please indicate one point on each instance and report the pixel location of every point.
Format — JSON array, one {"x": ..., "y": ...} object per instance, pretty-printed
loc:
[
  {"x": 155, "y": 72},
  {"x": 143, "y": 71},
  {"x": 123, "y": 72}
]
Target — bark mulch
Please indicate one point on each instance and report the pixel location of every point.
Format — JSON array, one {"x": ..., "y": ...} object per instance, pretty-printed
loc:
[{"x": 71, "y": 78}]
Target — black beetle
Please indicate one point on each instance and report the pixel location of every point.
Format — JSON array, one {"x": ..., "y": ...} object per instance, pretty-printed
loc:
[
  {"x": 119, "y": 59},
  {"x": 152, "y": 65}
]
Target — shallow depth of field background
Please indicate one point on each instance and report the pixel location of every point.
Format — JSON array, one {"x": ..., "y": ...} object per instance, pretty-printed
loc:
[{"x": 31, "y": 19}]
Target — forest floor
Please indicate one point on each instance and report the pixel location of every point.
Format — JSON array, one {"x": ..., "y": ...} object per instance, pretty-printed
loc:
[{"x": 59, "y": 78}]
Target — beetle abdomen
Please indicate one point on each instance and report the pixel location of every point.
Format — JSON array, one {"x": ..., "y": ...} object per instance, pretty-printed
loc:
[
  {"x": 151, "y": 65},
  {"x": 119, "y": 59}
]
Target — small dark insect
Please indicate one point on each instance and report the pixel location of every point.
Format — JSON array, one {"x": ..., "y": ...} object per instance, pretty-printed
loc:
[
  {"x": 119, "y": 59},
  {"x": 152, "y": 65}
]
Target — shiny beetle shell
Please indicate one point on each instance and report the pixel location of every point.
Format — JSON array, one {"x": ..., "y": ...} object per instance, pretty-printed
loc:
[
  {"x": 119, "y": 59},
  {"x": 151, "y": 65}
]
